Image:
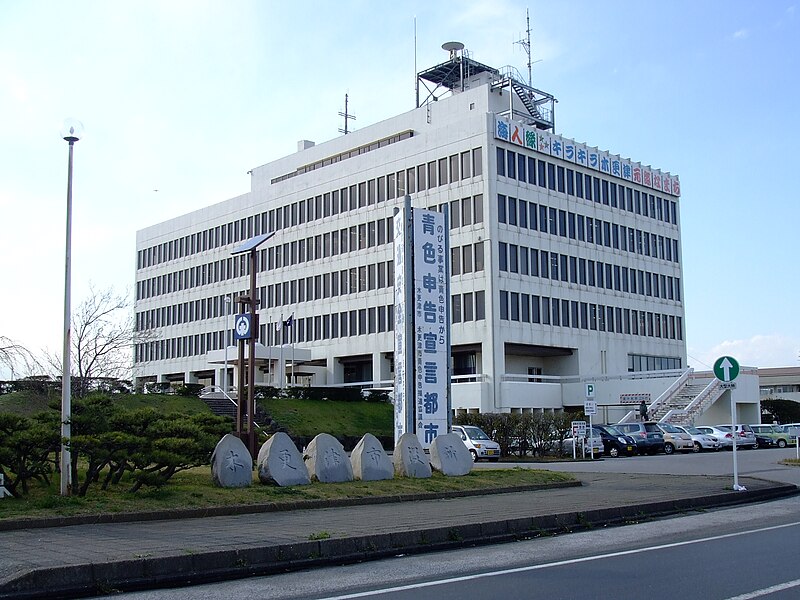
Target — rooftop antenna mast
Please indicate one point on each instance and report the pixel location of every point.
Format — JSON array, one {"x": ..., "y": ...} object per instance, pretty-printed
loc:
[
  {"x": 526, "y": 44},
  {"x": 346, "y": 116}
]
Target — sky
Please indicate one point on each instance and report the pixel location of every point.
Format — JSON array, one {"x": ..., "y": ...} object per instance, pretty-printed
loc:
[{"x": 180, "y": 99}]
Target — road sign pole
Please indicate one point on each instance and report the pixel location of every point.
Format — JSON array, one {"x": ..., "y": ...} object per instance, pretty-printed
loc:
[
  {"x": 735, "y": 436},
  {"x": 726, "y": 369},
  {"x": 589, "y": 436}
]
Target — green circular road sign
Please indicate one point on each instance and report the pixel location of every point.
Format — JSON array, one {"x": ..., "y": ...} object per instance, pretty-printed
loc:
[{"x": 726, "y": 368}]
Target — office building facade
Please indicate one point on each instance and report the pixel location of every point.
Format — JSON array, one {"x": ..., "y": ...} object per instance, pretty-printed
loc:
[{"x": 565, "y": 259}]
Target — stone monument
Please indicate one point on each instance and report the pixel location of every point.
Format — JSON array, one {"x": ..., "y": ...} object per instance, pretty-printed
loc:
[
  {"x": 231, "y": 463},
  {"x": 450, "y": 456},
  {"x": 370, "y": 462},
  {"x": 327, "y": 461},
  {"x": 409, "y": 457},
  {"x": 280, "y": 462}
]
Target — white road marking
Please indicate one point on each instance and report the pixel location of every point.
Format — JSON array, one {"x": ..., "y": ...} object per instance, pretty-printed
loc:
[
  {"x": 561, "y": 563},
  {"x": 763, "y": 592}
]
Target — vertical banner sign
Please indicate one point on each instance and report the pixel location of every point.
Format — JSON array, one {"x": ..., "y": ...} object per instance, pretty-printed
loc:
[
  {"x": 431, "y": 324},
  {"x": 403, "y": 324},
  {"x": 422, "y": 324}
]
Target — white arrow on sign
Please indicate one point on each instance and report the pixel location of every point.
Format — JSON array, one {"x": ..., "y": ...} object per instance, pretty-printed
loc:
[{"x": 726, "y": 366}]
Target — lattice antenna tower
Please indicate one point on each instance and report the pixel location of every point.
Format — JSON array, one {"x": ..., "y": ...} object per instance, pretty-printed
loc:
[
  {"x": 526, "y": 45},
  {"x": 347, "y": 116}
]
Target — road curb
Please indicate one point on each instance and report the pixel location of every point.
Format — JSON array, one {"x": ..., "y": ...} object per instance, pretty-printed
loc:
[{"x": 203, "y": 567}]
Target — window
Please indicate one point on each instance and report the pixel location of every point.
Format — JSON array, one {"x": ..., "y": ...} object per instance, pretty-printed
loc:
[
  {"x": 480, "y": 305},
  {"x": 501, "y": 161},
  {"x": 455, "y": 308},
  {"x": 477, "y": 162},
  {"x": 455, "y": 261},
  {"x": 501, "y": 208},
  {"x": 465, "y": 165},
  {"x": 479, "y": 256}
]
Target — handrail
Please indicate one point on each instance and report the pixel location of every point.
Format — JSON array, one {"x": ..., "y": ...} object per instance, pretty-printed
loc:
[
  {"x": 216, "y": 388},
  {"x": 706, "y": 393},
  {"x": 667, "y": 394}
]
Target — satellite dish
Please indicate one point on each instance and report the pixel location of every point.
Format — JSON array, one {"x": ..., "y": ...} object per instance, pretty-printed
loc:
[{"x": 452, "y": 46}]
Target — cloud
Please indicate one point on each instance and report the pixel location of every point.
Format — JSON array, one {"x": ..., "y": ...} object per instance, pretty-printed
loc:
[
  {"x": 758, "y": 351},
  {"x": 741, "y": 34}
]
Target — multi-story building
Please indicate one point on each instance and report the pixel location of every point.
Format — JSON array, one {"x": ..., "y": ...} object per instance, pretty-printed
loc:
[{"x": 565, "y": 259}]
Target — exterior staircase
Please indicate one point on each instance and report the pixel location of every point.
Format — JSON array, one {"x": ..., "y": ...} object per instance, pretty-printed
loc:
[
  {"x": 220, "y": 404},
  {"x": 671, "y": 408},
  {"x": 683, "y": 402}
]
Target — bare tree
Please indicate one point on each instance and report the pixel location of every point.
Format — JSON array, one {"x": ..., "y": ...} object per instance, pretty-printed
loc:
[
  {"x": 16, "y": 358},
  {"x": 102, "y": 338}
]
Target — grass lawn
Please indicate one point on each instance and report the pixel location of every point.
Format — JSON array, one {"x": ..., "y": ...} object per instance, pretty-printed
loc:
[
  {"x": 193, "y": 489},
  {"x": 27, "y": 403},
  {"x": 310, "y": 417}
]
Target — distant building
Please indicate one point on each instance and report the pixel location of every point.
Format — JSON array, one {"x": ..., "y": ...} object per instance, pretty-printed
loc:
[
  {"x": 779, "y": 383},
  {"x": 565, "y": 259}
]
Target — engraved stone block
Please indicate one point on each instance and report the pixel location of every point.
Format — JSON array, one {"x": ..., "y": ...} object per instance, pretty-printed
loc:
[
  {"x": 280, "y": 462},
  {"x": 370, "y": 462},
  {"x": 409, "y": 458},
  {"x": 327, "y": 461},
  {"x": 450, "y": 456},
  {"x": 231, "y": 463}
]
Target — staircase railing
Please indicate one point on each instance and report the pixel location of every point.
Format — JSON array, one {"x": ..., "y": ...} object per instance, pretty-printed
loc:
[
  {"x": 209, "y": 389},
  {"x": 708, "y": 396}
]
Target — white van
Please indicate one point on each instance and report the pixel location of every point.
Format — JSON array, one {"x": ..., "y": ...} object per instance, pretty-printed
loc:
[{"x": 478, "y": 443}]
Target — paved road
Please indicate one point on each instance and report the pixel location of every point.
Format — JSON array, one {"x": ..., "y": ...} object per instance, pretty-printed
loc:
[
  {"x": 620, "y": 563},
  {"x": 764, "y": 463}
]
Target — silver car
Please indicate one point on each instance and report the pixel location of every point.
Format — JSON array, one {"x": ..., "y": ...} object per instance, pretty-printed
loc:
[
  {"x": 592, "y": 445},
  {"x": 724, "y": 437},
  {"x": 702, "y": 441},
  {"x": 743, "y": 437}
]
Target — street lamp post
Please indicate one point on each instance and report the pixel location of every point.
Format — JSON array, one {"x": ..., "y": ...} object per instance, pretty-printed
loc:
[{"x": 71, "y": 132}]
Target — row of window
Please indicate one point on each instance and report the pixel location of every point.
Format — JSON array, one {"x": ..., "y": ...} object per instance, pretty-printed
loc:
[
  {"x": 470, "y": 306},
  {"x": 546, "y": 219},
  {"x": 644, "y": 362},
  {"x": 353, "y": 152},
  {"x": 571, "y": 269},
  {"x": 357, "y": 237},
  {"x": 306, "y": 289},
  {"x": 345, "y": 324},
  {"x": 366, "y": 193},
  {"x": 557, "y": 312},
  {"x": 573, "y": 182}
]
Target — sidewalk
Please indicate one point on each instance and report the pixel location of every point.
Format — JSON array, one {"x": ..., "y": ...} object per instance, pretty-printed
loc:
[{"x": 75, "y": 560}]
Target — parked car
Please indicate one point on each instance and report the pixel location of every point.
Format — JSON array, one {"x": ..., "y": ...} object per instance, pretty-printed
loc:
[
  {"x": 762, "y": 441},
  {"x": 478, "y": 443},
  {"x": 649, "y": 438},
  {"x": 700, "y": 440},
  {"x": 592, "y": 445},
  {"x": 675, "y": 438},
  {"x": 743, "y": 435},
  {"x": 615, "y": 443},
  {"x": 776, "y": 432},
  {"x": 725, "y": 437}
]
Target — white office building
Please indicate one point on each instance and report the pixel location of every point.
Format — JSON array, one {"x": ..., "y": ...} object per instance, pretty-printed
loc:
[{"x": 565, "y": 258}]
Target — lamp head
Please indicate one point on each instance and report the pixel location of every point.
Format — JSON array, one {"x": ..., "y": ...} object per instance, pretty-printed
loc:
[{"x": 72, "y": 130}]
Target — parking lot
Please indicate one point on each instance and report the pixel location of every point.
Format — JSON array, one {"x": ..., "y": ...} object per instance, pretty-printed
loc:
[{"x": 754, "y": 463}]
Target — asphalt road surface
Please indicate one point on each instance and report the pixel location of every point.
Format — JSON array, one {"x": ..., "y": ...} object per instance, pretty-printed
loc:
[
  {"x": 764, "y": 462},
  {"x": 739, "y": 553}
]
